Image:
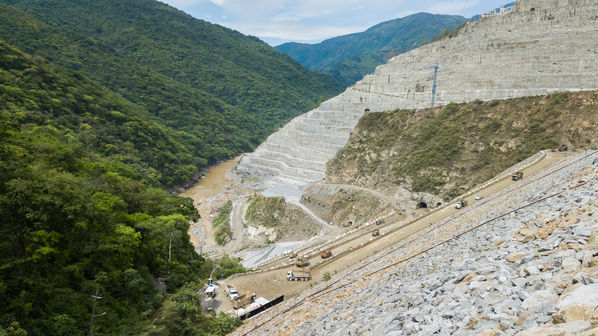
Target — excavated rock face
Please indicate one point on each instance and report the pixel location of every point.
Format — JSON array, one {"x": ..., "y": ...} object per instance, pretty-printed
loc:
[
  {"x": 488, "y": 270},
  {"x": 538, "y": 48}
]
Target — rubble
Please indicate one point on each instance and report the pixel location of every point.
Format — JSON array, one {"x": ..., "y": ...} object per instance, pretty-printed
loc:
[{"x": 543, "y": 284}]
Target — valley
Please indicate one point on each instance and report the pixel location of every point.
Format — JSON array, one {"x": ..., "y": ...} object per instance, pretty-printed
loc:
[
  {"x": 385, "y": 172},
  {"x": 162, "y": 175},
  {"x": 357, "y": 244}
]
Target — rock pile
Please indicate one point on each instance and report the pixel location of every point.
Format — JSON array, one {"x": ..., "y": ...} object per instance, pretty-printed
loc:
[{"x": 532, "y": 271}]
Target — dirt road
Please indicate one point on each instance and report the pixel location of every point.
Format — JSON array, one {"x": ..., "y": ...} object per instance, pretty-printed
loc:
[{"x": 271, "y": 284}]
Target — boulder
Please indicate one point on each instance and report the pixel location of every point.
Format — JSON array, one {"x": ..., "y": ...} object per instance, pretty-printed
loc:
[
  {"x": 592, "y": 332},
  {"x": 540, "y": 301},
  {"x": 584, "y": 295},
  {"x": 575, "y": 312},
  {"x": 563, "y": 329},
  {"x": 514, "y": 257}
]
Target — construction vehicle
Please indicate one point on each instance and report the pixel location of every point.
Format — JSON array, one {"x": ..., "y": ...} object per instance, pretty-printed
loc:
[
  {"x": 298, "y": 275},
  {"x": 563, "y": 148},
  {"x": 517, "y": 176},
  {"x": 231, "y": 292},
  {"x": 461, "y": 204},
  {"x": 376, "y": 233},
  {"x": 243, "y": 300},
  {"x": 326, "y": 254},
  {"x": 302, "y": 262},
  {"x": 379, "y": 221}
]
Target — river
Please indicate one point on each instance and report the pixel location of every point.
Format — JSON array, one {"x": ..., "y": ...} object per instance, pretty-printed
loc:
[{"x": 212, "y": 184}]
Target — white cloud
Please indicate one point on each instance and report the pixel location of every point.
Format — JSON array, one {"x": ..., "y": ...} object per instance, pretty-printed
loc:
[
  {"x": 452, "y": 7},
  {"x": 309, "y": 20},
  {"x": 296, "y": 32}
]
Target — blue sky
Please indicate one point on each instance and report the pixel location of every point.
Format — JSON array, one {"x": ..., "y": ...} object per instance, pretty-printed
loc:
[{"x": 278, "y": 21}]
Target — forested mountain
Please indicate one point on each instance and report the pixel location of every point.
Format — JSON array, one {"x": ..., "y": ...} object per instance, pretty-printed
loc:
[
  {"x": 117, "y": 101},
  {"x": 220, "y": 91},
  {"x": 78, "y": 211},
  {"x": 348, "y": 58}
]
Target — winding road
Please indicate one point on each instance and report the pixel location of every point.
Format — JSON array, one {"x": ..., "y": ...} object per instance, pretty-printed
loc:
[{"x": 348, "y": 250}]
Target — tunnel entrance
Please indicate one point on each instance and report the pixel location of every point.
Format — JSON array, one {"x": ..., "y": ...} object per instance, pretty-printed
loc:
[{"x": 421, "y": 205}]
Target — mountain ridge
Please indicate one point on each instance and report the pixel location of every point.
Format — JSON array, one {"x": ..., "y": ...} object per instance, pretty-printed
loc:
[
  {"x": 371, "y": 47},
  {"x": 214, "y": 114}
]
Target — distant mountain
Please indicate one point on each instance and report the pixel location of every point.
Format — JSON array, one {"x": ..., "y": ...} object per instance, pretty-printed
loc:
[
  {"x": 348, "y": 58},
  {"x": 220, "y": 91}
]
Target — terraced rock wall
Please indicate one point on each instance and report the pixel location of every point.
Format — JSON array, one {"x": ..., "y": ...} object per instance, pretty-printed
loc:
[{"x": 538, "y": 48}]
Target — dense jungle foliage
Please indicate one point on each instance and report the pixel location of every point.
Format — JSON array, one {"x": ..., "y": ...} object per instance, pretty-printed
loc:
[
  {"x": 80, "y": 212},
  {"x": 220, "y": 91},
  {"x": 122, "y": 100}
]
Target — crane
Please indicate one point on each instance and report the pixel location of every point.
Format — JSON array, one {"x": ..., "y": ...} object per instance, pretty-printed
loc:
[{"x": 435, "y": 67}]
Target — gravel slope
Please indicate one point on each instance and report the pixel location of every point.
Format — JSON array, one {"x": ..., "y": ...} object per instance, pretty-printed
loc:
[{"x": 533, "y": 271}]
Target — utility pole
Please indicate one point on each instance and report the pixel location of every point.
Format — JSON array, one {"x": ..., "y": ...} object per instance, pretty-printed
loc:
[
  {"x": 93, "y": 311},
  {"x": 435, "y": 67}
]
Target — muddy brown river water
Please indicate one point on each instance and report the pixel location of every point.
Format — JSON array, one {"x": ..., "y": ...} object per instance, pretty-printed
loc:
[{"x": 212, "y": 184}]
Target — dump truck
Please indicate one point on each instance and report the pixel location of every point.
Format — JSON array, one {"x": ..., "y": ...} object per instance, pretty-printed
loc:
[
  {"x": 243, "y": 300},
  {"x": 461, "y": 204},
  {"x": 298, "y": 275},
  {"x": 302, "y": 262},
  {"x": 326, "y": 254},
  {"x": 517, "y": 176}
]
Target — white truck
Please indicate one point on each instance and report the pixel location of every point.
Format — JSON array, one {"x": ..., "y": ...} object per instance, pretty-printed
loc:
[
  {"x": 297, "y": 275},
  {"x": 232, "y": 292}
]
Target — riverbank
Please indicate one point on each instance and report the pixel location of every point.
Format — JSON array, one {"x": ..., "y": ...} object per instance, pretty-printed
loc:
[{"x": 208, "y": 195}]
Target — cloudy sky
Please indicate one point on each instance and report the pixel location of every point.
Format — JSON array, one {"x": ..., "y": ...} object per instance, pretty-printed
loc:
[{"x": 278, "y": 21}]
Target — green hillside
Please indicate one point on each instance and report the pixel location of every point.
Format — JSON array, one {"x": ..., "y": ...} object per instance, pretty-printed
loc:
[
  {"x": 446, "y": 150},
  {"x": 79, "y": 213},
  {"x": 222, "y": 92},
  {"x": 348, "y": 58}
]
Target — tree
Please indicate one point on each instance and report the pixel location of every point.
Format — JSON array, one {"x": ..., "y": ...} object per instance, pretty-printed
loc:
[{"x": 187, "y": 301}]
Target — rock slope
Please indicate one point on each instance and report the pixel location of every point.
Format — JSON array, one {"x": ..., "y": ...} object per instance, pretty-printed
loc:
[
  {"x": 532, "y": 271},
  {"x": 541, "y": 47}
]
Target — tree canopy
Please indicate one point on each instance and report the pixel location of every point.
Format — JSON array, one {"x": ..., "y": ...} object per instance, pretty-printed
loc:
[{"x": 80, "y": 210}]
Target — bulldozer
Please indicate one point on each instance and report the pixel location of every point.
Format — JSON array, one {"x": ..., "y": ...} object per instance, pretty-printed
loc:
[
  {"x": 461, "y": 204},
  {"x": 302, "y": 262},
  {"x": 326, "y": 254},
  {"x": 517, "y": 176}
]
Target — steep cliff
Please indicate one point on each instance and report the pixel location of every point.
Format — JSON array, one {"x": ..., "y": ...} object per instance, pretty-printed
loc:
[{"x": 522, "y": 53}]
